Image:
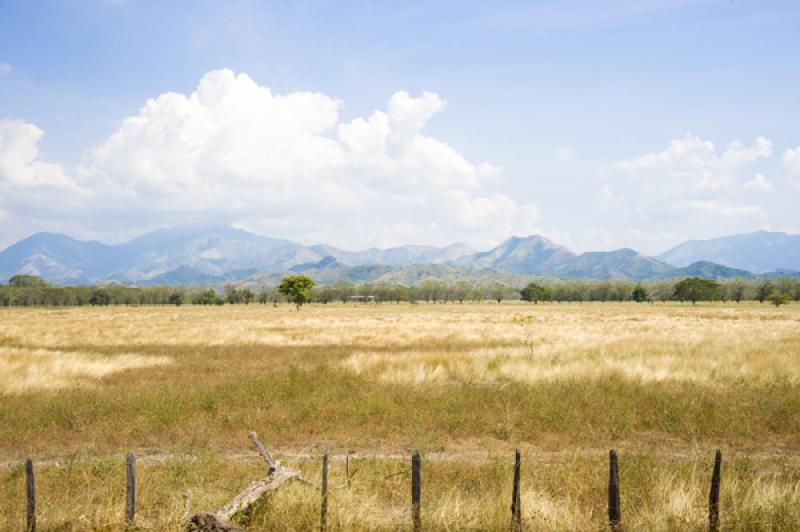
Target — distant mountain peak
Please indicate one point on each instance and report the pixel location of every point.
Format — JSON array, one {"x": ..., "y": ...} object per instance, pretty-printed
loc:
[
  {"x": 759, "y": 251},
  {"x": 215, "y": 253}
]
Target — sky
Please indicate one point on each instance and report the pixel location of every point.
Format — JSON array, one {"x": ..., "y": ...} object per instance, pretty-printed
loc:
[{"x": 597, "y": 124}]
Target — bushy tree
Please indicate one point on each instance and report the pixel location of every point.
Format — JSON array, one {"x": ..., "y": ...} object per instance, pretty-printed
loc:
[
  {"x": 763, "y": 290},
  {"x": 695, "y": 289},
  {"x": 779, "y": 298},
  {"x": 639, "y": 294},
  {"x": 297, "y": 288},
  {"x": 535, "y": 292},
  {"x": 33, "y": 281},
  {"x": 208, "y": 297},
  {"x": 100, "y": 297}
]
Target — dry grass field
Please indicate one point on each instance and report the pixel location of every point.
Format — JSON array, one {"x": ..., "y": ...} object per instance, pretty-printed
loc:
[{"x": 465, "y": 384}]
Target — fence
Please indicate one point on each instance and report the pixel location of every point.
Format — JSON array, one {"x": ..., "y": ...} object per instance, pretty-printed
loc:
[{"x": 615, "y": 515}]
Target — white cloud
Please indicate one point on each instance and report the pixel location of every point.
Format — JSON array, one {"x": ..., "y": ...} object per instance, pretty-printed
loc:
[
  {"x": 690, "y": 176},
  {"x": 715, "y": 208},
  {"x": 565, "y": 154},
  {"x": 5, "y": 68},
  {"x": 692, "y": 165},
  {"x": 791, "y": 166},
  {"x": 759, "y": 182},
  {"x": 19, "y": 158},
  {"x": 232, "y": 151},
  {"x": 690, "y": 184}
]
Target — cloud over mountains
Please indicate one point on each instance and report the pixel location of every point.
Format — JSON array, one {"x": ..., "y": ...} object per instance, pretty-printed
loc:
[{"x": 233, "y": 151}]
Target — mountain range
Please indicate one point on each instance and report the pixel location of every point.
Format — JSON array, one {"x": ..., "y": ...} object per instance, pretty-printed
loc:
[{"x": 214, "y": 255}]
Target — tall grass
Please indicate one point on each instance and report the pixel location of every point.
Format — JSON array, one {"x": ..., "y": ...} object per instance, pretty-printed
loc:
[{"x": 663, "y": 383}]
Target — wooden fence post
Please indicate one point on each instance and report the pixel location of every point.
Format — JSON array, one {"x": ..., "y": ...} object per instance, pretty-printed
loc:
[
  {"x": 30, "y": 489},
  {"x": 614, "y": 512},
  {"x": 713, "y": 495},
  {"x": 130, "y": 489},
  {"x": 415, "y": 491},
  {"x": 323, "y": 513},
  {"x": 516, "y": 509}
]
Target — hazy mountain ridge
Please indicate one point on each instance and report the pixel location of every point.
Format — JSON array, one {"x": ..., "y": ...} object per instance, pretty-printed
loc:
[
  {"x": 758, "y": 252},
  {"x": 219, "y": 254}
]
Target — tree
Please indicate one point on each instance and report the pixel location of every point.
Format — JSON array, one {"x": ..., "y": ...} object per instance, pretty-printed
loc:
[
  {"x": 461, "y": 291},
  {"x": 500, "y": 291},
  {"x": 33, "y": 281},
  {"x": 100, "y": 297},
  {"x": 639, "y": 294},
  {"x": 344, "y": 290},
  {"x": 246, "y": 296},
  {"x": 763, "y": 290},
  {"x": 786, "y": 285},
  {"x": 695, "y": 289},
  {"x": 176, "y": 298},
  {"x": 297, "y": 288},
  {"x": 535, "y": 292},
  {"x": 736, "y": 289},
  {"x": 779, "y": 298},
  {"x": 662, "y": 290},
  {"x": 209, "y": 297}
]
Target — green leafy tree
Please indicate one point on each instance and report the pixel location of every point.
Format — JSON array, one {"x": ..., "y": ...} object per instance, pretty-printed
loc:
[
  {"x": 639, "y": 294},
  {"x": 535, "y": 292},
  {"x": 763, "y": 290},
  {"x": 209, "y": 297},
  {"x": 32, "y": 281},
  {"x": 297, "y": 288},
  {"x": 779, "y": 298},
  {"x": 100, "y": 297},
  {"x": 695, "y": 289},
  {"x": 461, "y": 290},
  {"x": 176, "y": 298}
]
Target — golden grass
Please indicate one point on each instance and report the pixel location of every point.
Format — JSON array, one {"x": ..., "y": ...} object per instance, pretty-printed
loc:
[
  {"x": 30, "y": 370},
  {"x": 664, "y": 384},
  {"x": 658, "y": 493}
]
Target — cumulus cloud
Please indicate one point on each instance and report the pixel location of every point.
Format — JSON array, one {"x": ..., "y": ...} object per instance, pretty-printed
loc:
[
  {"x": 691, "y": 183},
  {"x": 20, "y": 164},
  {"x": 691, "y": 177},
  {"x": 233, "y": 151},
  {"x": 692, "y": 165}
]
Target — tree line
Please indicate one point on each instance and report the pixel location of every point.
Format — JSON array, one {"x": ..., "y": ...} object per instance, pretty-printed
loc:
[{"x": 25, "y": 290}]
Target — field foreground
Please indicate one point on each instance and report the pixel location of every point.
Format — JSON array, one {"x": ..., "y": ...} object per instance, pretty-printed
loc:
[{"x": 464, "y": 384}]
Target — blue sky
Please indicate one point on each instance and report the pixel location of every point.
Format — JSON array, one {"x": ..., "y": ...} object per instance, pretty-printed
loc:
[{"x": 599, "y": 124}]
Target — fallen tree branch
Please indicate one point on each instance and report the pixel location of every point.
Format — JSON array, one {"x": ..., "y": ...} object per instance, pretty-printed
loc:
[
  {"x": 219, "y": 521},
  {"x": 274, "y": 465}
]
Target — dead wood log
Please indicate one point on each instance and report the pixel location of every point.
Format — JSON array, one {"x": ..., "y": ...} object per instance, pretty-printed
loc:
[
  {"x": 219, "y": 521},
  {"x": 274, "y": 465}
]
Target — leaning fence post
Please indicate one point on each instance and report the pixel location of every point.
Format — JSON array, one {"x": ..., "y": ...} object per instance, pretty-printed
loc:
[
  {"x": 614, "y": 513},
  {"x": 415, "y": 491},
  {"x": 516, "y": 510},
  {"x": 323, "y": 513},
  {"x": 130, "y": 489},
  {"x": 713, "y": 495},
  {"x": 30, "y": 489}
]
